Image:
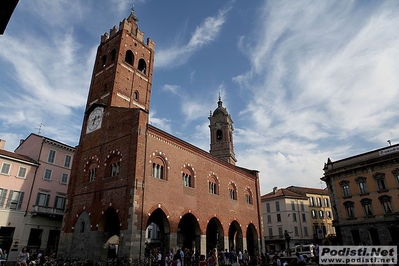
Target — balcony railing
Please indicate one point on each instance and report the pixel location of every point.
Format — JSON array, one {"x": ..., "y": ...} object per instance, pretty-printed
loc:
[{"x": 43, "y": 210}]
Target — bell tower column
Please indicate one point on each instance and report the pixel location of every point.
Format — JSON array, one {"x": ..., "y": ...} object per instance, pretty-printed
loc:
[{"x": 221, "y": 129}]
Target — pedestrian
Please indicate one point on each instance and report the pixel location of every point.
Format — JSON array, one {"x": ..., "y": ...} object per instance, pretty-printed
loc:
[
  {"x": 23, "y": 257},
  {"x": 300, "y": 259}
]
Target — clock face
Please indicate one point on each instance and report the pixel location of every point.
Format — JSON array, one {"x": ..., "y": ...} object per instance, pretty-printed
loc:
[{"x": 95, "y": 119}]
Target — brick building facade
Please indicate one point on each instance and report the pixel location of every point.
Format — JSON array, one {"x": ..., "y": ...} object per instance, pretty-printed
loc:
[{"x": 128, "y": 175}]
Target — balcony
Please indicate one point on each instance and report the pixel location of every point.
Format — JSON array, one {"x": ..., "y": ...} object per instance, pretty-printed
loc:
[{"x": 47, "y": 211}]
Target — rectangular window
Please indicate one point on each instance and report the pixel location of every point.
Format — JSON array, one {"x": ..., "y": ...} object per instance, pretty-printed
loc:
[
  {"x": 314, "y": 214},
  {"x": 60, "y": 202},
  {"x": 15, "y": 200},
  {"x": 296, "y": 231},
  {"x": 277, "y": 206},
  {"x": 305, "y": 231},
  {"x": 42, "y": 199},
  {"x": 64, "y": 178},
  {"x": 319, "y": 202},
  {"x": 21, "y": 172},
  {"x": 381, "y": 184},
  {"x": 268, "y": 207},
  {"x": 302, "y": 206},
  {"x": 311, "y": 201},
  {"x": 363, "y": 187},
  {"x": 328, "y": 215},
  {"x": 270, "y": 232},
  {"x": 280, "y": 232},
  {"x": 67, "y": 162},
  {"x": 51, "y": 156},
  {"x": 269, "y": 218},
  {"x": 321, "y": 214},
  {"x": 5, "y": 168},
  {"x": 326, "y": 202},
  {"x": 345, "y": 190},
  {"x": 47, "y": 174},
  {"x": 303, "y": 217},
  {"x": 293, "y": 205},
  {"x": 278, "y": 217},
  {"x": 294, "y": 217},
  {"x": 3, "y": 193}
]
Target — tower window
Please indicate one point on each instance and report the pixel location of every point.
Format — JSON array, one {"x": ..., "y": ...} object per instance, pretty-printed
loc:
[
  {"x": 103, "y": 60},
  {"x": 113, "y": 55},
  {"x": 129, "y": 57},
  {"x": 142, "y": 66},
  {"x": 136, "y": 95},
  {"x": 219, "y": 134}
]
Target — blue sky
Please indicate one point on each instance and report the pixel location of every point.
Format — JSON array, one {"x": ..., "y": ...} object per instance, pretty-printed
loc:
[{"x": 302, "y": 80}]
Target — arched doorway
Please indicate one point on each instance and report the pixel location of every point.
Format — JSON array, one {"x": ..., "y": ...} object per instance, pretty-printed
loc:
[
  {"x": 252, "y": 240},
  {"x": 235, "y": 237},
  {"x": 214, "y": 235},
  {"x": 157, "y": 232},
  {"x": 188, "y": 233},
  {"x": 109, "y": 226}
]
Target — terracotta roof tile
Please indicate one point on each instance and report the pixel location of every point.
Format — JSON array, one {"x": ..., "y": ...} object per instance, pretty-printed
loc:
[{"x": 13, "y": 155}]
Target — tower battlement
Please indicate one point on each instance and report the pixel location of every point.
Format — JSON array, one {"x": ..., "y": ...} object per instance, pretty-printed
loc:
[{"x": 130, "y": 26}]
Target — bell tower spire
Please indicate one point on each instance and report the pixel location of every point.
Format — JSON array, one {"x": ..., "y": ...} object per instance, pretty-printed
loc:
[{"x": 221, "y": 129}]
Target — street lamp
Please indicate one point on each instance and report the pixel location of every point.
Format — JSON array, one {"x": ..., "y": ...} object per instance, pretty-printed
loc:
[{"x": 217, "y": 244}]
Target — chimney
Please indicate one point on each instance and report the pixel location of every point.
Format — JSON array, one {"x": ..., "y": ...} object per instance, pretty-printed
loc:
[
  {"x": 2, "y": 144},
  {"x": 274, "y": 190}
]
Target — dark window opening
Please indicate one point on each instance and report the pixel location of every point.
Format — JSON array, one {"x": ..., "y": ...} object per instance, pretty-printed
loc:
[
  {"x": 113, "y": 55},
  {"x": 129, "y": 57},
  {"x": 219, "y": 135},
  {"x": 103, "y": 60},
  {"x": 142, "y": 66},
  {"x": 136, "y": 95}
]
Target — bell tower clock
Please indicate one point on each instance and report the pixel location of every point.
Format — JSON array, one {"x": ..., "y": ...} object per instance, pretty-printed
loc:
[{"x": 221, "y": 129}]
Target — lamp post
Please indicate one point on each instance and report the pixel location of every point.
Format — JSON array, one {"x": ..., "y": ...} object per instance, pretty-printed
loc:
[{"x": 217, "y": 245}]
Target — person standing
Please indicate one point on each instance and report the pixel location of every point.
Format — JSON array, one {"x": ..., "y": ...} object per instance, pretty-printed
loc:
[{"x": 23, "y": 257}]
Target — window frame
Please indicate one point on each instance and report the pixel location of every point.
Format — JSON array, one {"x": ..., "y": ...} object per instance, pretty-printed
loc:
[
  {"x": 51, "y": 156},
  {"x": 67, "y": 162},
  {"x": 42, "y": 199},
  {"x": 346, "y": 192},
  {"x": 19, "y": 172},
  {"x": 62, "y": 178},
  {"x": 45, "y": 174},
  {"x": 17, "y": 202},
  {"x": 3, "y": 165},
  {"x": 61, "y": 198}
]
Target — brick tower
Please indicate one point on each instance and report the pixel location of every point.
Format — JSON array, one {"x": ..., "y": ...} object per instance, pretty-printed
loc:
[{"x": 108, "y": 166}]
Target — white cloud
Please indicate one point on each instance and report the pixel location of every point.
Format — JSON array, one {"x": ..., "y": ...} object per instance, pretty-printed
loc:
[{"x": 203, "y": 35}]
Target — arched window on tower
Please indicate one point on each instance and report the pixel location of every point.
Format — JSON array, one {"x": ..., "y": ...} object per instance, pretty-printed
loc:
[
  {"x": 158, "y": 168},
  {"x": 91, "y": 171},
  {"x": 136, "y": 95},
  {"x": 129, "y": 57},
  {"x": 113, "y": 55},
  {"x": 103, "y": 60},
  {"x": 142, "y": 66},
  {"x": 219, "y": 134},
  {"x": 113, "y": 163}
]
